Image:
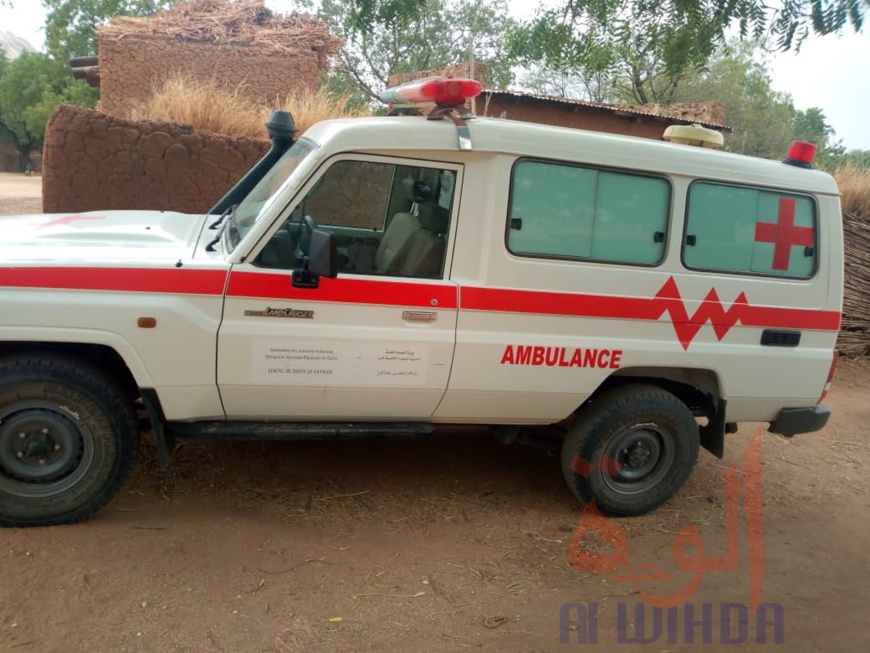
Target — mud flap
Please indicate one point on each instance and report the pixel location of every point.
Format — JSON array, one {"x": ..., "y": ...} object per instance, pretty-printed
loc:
[{"x": 713, "y": 434}]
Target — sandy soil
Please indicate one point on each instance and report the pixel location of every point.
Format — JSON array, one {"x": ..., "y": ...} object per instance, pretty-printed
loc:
[
  {"x": 20, "y": 194},
  {"x": 449, "y": 543}
]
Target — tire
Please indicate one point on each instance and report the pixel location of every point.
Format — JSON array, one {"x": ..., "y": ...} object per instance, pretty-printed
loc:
[
  {"x": 68, "y": 439},
  {"x": 649, "y": 432}
]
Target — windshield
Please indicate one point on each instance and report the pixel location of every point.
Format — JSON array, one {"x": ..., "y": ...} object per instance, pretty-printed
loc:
[{"x": 249, "y": 210}]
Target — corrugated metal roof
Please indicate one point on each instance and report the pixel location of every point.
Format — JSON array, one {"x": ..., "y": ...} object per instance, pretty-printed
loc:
[{"x": 610, "y": 108}]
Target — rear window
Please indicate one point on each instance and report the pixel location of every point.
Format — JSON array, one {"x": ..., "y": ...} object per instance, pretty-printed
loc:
[
  {"x": 748, "y": 230},
  {"x": 573, "y": 212}
]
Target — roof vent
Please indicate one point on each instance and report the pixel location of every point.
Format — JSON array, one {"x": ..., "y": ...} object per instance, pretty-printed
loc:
[{"x": 694, "y": 135}]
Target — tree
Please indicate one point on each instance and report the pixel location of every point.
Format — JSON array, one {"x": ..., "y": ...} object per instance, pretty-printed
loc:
[
  {"x": 71, "y": 25},
  {"x": 31, "y": 86},
  {"x": 646, "y": 45},
  {"x": 387, "y": 37},
  {"x": 596, "y": 86},
  {"x": 857, "y": 158},
  {"x": 812, "y": 126},
  {"x": 673, "y": 34},
  {"x": 737, "y": 76}
]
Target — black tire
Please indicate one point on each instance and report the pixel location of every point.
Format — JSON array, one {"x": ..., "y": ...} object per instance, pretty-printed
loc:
[
  {"x": 650, "y": 433},
  {"x": 68, "y": 439}
]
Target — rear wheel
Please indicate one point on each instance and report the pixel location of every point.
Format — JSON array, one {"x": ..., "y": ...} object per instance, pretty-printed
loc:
[
  {"x": 68, "y": 439},
  {"x": 631, "y": 451}
]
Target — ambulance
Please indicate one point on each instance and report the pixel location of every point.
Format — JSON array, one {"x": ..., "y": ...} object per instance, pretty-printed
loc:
[{"x": 387, "y": 275}]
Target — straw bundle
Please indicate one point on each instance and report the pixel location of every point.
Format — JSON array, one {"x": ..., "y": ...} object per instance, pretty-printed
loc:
[{"x": 240, "y": 22}]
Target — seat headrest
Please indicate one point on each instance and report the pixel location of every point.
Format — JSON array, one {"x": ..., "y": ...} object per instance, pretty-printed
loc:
[{"x": 433, "y": 217}]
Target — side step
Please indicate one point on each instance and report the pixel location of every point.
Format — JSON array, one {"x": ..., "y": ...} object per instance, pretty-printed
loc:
[{"x": 294, "y": 431}]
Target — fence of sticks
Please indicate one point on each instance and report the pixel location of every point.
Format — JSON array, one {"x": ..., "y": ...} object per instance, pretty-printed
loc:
[{"x": 854, "y": 337}]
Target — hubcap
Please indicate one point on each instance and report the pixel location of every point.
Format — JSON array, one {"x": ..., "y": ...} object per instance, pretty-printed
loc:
[
  {"x": 641, "y": 458},
  {"x": 42, "y": 450}
]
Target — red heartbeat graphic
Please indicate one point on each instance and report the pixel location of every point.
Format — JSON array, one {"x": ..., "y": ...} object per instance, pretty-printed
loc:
[
  {"x": 69, "y": 219},
  {"x": 669, "y": 299}
]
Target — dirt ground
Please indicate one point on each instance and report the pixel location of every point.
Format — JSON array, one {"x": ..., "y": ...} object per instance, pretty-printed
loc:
[
  {"x": 449, "y": 543},
  {"x": 20, "y": 194}
]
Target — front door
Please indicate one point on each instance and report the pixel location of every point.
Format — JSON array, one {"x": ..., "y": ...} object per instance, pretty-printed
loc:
[{"x": 375, "y": 343}]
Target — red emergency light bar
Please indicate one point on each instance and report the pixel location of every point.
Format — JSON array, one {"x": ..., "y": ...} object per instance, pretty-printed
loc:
[
  {"x": 443, "y": 91},
  {"x": 801, "y": 154}
]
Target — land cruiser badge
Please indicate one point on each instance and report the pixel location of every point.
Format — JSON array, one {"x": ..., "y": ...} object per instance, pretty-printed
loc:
[{"x": 281, "y": 312}]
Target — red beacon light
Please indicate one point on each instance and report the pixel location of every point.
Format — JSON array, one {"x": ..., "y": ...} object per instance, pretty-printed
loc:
[
  {"x": 801, "y": 154},
  {"x": 442, "y": 91}
]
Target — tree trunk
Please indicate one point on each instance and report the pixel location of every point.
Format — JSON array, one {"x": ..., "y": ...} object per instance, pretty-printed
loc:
[{"x": 24, "y": 161}]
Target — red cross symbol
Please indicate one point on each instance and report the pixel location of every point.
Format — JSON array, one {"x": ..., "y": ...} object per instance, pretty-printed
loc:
[
  {"x": 784, "y": 234},
  {"x": 70, "y": 218}
]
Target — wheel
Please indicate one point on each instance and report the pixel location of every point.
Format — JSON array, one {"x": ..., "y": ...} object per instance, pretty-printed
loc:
[
  {"x": 68, "y": 438},
  {"x": 631, "y": 450}
]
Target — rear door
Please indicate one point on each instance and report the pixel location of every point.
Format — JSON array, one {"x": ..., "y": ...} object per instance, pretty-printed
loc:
[{"x": 375, "y": 343}]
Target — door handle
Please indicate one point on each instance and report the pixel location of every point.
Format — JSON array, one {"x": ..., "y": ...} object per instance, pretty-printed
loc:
[{"x": 419, "y": 316}]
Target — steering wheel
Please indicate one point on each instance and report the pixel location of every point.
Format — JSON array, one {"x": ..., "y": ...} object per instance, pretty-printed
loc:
[
  {"x": 301, "y": 240},
  {"x": 309, "y": 222}
]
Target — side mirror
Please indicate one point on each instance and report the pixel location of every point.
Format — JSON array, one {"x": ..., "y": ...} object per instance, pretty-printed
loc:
[
  {"x": 322, "y": 260},
  {"x": 323, "y": 254}
]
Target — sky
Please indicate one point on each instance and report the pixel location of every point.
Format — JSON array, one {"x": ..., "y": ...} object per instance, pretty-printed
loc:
[{"x": 830, "y": 72}]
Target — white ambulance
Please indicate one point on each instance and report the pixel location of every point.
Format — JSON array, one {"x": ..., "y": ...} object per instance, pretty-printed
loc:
[{"x": 387, "y": 275}]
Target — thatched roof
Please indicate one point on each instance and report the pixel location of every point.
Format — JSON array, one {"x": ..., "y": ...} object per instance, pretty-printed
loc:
[{"x": 243, "y": 22}]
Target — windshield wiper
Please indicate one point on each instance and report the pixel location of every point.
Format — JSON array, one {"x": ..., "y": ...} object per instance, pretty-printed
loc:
[
  {"x": 227, "y": 212},
  {"x": 226, "y": 218}
]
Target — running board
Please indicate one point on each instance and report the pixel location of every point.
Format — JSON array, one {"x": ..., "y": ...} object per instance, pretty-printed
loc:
[{"x": 294, "y": 431}]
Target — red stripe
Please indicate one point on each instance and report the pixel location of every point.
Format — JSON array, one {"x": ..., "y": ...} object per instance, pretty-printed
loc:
[
  {"x": 347, "y": 290},
  {"x": 795, "y": 318},
  {"x": 185, "y": 281},
  {"x": 668, "y": 300},
  {"x": 396, "y": 293},
  {"x": 552, "y": 303}
]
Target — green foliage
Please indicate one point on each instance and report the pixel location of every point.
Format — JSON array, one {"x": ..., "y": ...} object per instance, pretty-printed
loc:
[
  {"x": 645, "y": 44},
  {"x": 597, "y": 86},
  {"x": 812, "y": 126},
  {"x": 857, "y": 158},
  {"x": 761, "y": 117},
  {"x": 669, "y": 35},
  {"x": 31, "y": 86},
  {"x": 797, "y": 19},
  {"x": 71, "y": 26},
  {"x": 387, "y": 37}
]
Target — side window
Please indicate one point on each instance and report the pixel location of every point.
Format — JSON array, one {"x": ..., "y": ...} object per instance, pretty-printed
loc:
[
  {"x": 750, "y": 231},
  {"x": 352, "y": 194},
  {"x": 574, "y": 212},
  {"x": 389, "y": 219}
]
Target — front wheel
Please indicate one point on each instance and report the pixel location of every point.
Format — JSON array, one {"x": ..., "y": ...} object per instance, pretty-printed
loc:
[
  {"x": 68, "y": 439},
  {"x": 631, "y": 451}
]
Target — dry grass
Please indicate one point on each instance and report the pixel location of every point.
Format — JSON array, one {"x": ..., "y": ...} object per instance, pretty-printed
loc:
[
  {"x": 309, "y": 107},
  {"x": 206, "y": 105},
  {"x": 854, "y": 185}
]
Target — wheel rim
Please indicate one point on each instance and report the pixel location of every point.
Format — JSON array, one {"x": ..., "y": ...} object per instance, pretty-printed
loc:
[
  {"x": 43, "y": 452},
  {"x": 638, "y": 459}
]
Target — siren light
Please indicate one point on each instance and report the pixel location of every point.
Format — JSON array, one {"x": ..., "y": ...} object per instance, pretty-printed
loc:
[
  {"x": 443, "y": 91},
  {"x": 801, "y": 154}
]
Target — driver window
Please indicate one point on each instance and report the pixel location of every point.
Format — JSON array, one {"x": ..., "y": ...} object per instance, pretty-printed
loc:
[{"x": 388, "y": 219}]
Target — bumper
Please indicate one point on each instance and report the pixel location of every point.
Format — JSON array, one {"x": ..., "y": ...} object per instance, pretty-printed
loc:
[{"x": 792, "y": 421}]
